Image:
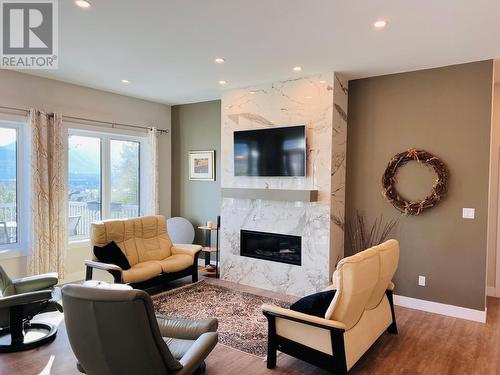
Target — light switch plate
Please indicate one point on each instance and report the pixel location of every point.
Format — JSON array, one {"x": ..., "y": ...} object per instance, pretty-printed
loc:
[
  {"x": 421, "y": 280},
  {"x": 468, "y": 213}
]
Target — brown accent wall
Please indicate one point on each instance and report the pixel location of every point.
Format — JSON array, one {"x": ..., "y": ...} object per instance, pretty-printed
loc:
[
  {"x": 494, "y": 189},
  {"x": 195, "y": 127},
  {"x": 446, "y": 111}
]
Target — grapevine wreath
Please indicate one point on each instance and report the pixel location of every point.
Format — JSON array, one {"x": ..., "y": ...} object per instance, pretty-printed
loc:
[{"x": 438, "y": 189}]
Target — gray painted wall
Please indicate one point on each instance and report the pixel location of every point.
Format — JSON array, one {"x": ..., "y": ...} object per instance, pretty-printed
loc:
[
  {"x": 446, "y": 111},
  {"x": 195, "y": 127}
]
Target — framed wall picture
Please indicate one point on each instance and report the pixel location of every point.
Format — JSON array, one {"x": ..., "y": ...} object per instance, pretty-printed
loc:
[{"x": 201, "y": 165}]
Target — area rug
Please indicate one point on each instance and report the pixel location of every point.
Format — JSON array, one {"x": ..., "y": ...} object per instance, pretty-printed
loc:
[{"x": 241, "y": 323}]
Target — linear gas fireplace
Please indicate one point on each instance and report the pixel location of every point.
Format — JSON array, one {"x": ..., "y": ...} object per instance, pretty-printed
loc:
[{"x": 271, "y": 246}]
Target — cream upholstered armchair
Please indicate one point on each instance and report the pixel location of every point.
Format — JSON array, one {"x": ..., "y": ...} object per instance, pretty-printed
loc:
[
  {"x": 152, "y": 257},
  {"x": 361, "y": 310}
]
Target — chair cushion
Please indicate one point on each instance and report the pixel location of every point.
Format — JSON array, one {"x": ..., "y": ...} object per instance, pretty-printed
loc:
[
  {"x": 142, "y": 271},
  {"x": 314, "y": 304},
  {"x": 36, "y": 282},
  {"x": 355, "y": 277},
  {"x": 185, "y": 328},
  {"x": 111, "y": 253},
  {"x": 178, "y": 347},
  {"x": 389, "y": 258},
  {"x": 176, "y": 262},
  {"x": 187, "y": 249},
  {"x": 105, "y": 285}
]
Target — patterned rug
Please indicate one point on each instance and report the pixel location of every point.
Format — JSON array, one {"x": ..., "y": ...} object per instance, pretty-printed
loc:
[{"x": 241, "y": 323}]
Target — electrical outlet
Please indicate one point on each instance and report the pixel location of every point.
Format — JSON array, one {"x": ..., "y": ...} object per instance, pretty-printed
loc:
[
  {"x": 468, "y": 213},
  {"x": 421, "y": 280}
]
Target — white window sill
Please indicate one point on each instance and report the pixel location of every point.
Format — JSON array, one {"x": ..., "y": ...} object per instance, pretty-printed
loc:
[
  {"x": 78, "y": 244},
  {"x": 13, "y": 253}
]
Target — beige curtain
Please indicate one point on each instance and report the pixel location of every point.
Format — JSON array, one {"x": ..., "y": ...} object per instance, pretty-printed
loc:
[
  {"x": 48, "y": 194},
  {"x": 153, "y": 196}
]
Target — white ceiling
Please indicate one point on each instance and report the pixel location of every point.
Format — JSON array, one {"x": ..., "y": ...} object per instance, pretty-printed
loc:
[{"x": 166, "y": 48}]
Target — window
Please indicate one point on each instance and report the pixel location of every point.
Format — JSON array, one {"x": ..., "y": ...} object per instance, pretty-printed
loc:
[
  {"x": 103, "y": 179},
  {"x": 124, "y": 179},
  {"x": 10, "y": 183},
  {"x": 84, "y": 184}
]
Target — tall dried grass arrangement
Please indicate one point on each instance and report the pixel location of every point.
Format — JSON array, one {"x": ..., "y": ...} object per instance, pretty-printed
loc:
[{"x": 362, "y": 236}]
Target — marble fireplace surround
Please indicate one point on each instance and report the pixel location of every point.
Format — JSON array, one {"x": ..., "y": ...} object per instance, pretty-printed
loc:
[{"x": 320, "y": 103}]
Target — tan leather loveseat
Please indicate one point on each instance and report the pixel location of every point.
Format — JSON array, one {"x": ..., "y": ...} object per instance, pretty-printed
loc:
[
  {"x": 360, "y": 312},
  {"x": 146, "y": 244}
]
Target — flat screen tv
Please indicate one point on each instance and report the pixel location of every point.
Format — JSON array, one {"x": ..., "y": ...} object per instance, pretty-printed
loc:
[{"x": 270, "y": 152}]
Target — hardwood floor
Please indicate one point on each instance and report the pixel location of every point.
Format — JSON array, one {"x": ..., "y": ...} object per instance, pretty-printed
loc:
[{"x": 426, "y": 344}]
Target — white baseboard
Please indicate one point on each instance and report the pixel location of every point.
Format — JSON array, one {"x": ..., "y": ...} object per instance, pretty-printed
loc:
[
  {"x": 441, "y": 308},
  {"x": 491, "y": 291}
]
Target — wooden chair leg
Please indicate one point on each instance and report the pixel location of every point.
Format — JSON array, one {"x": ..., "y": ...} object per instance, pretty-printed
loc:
[
  {"x": 271, "y": 357},
  {"x": 194, "y": 277},
  {"x": 88, "y": 273},
  {"x": 195, "y": 268},
  {"x": 393, "y": 328},
  {"x": 340, "y": 365},
  {"x": 271, "y": 342}
]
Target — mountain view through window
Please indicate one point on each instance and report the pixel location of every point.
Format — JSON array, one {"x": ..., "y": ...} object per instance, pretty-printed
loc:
[
  {"x": 8, "y": 185},
  {"x": 103, "y": 181}
]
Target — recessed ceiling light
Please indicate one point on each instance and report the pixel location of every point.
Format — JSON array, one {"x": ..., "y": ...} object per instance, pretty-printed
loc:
[
  {"x": 222, "y": 82},
  {"x": 125, "y": 81},
  {"x": 309, "y": 97},
  {"x": 252, "y": 92},
  {"x": 297, "y": 68},
  {"x": 220, "y": 60},
  {"x": 380, "y": 24},
  {"x": 82, "y": 3},
  {"x": 322, "y": 81}
]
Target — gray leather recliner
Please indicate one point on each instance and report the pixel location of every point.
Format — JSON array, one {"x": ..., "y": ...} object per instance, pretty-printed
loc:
[
  {"x": 22, "y": 299},
  {"x": 117, "y": 332}
]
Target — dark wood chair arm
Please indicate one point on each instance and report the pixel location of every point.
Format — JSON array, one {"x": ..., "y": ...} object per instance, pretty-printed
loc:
[
  {"x": 295, "y": 316},
  {"x": 113, "y": 269}
]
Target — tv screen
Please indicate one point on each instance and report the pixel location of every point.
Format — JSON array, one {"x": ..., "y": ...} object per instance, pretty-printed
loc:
[{"x": 270, "y": 152}]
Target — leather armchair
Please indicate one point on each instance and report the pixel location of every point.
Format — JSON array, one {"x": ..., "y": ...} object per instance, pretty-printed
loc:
[
  {"x": 360, "y": 312},
  {"x": 116, "y": 332},
  {"x": 22, "y": 299}
]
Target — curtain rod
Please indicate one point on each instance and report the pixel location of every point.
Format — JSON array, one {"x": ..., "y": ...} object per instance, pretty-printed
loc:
[{"x": 112, "y": 124}]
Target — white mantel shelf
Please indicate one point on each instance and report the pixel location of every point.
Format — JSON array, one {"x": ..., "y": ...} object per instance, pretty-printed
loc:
[{"x": 271, "y": 194}]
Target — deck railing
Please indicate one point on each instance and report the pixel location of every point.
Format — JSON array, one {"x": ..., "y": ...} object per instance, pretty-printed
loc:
[
  {"x": 88, "y": 213},
  {"x": 8, "y": 211},
  {"x": 8, "y": 219},
  {"x": 82, "y": 213}
]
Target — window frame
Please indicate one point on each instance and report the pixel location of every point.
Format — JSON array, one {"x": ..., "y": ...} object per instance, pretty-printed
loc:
[
  {"x": 140, "y": 202},
  {"x": 106, "y": 136},
  {"x": 18, "y": 248}
]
